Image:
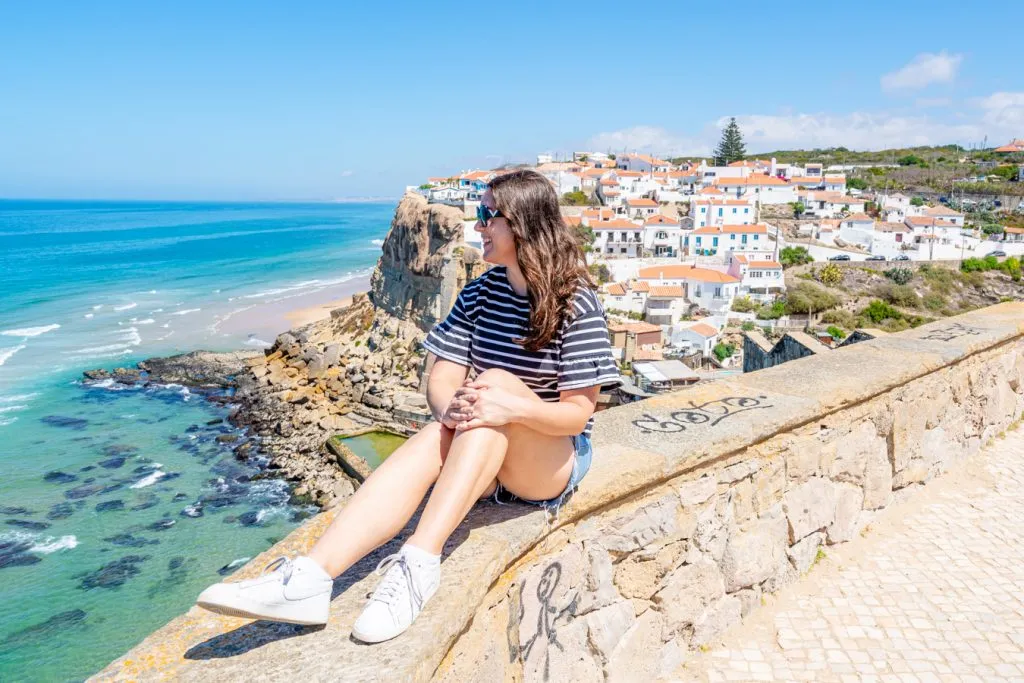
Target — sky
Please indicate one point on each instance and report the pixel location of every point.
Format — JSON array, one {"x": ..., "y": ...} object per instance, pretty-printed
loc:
[{"x": 329, "y": 100}]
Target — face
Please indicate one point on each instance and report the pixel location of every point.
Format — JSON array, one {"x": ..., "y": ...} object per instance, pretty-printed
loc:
[{"x": 499, "y": 245}]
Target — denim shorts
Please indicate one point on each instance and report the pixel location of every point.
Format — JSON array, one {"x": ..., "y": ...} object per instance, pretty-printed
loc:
[{"x": 580, "y": 466}]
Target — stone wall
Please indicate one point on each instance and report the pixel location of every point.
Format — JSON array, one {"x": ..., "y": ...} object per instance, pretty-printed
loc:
[
  {"x": 759, "y": 353},
  {"x": 698, "y": 503}
]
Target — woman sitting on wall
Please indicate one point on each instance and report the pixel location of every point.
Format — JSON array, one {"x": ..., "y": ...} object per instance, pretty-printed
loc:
[{"x": 533, "y": 333}]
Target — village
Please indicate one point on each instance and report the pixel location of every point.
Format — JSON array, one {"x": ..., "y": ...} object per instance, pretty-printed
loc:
[{"x": 690, "y": 255}]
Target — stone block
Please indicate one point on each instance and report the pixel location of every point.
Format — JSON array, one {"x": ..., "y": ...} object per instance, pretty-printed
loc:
[
  {"x": 716, "y": 620},
  {"x": 852, "y": 452},
  {"x": 608, "y": 625},
  {"x": 802, "y": 462},
  {"x": 809, "y": 507},
  {"x": 750, "y": 599},
  {"x": 647, "y": 524},
  {"x": 738, "y": 471},
  {"x": 600, "y": 586},
  {"x": 710, "y": 535},
  {"x": 849, "y": 502},
  {"x": 697, "y": 491},
  {"x": 687, "y": 593},
  {"x": 769, "y": 484},
  {"x": 635, "y": 658},
  {"x": 752, "y": 556},
  {"x": 877, "y": 480},
  {"x": 803, "y": 553}
]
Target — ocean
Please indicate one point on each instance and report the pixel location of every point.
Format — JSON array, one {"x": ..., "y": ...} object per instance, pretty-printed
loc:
[{"x": 118, "y": 505}]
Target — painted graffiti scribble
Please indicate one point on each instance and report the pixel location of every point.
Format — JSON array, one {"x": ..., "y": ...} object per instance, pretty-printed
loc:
[
  {"x": 548, "y": 617},
  {"x": 950, "y": 332},
  {"x": 710, "y": 413}
]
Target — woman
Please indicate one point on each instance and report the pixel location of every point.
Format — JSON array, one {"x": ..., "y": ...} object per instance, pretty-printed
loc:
[{"x": 533, "y": 331}]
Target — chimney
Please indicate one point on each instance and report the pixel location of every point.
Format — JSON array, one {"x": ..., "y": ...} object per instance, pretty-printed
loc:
[{"x": 774, "y": 168}]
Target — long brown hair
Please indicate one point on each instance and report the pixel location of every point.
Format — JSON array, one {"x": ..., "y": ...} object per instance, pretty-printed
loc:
[{"x": 548, "y": 252}]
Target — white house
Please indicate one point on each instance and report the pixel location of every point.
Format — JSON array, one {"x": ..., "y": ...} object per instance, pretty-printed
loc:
[
  {"x": 888, "y": 239},
  {"x": 829, "y": 204},
  {"x": 715, "y": 239},
  {"x": 618, "y": 237},
  {"x": 697, "y": 337},
  {"x": 713, "y": 290},
  {"x": 945, "y": 214},
  {"x": 835, "y": 183},
  {"x": 665, "y": 305},
  {"x": 629, "y": 296},
  {"x": 720, "y": 211},
  {"x": 641, "y": 207},
  {"x": 763, "y": 188},
  {"x": 663, "y": 236},
  {"x": 643, "y": 163},
  {"x": 760, "y": 278},
  {"x": 858, "y": 228}
]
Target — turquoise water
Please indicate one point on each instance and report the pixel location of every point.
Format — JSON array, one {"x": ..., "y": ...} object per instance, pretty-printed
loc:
[
  {"x": 374, "y": 447},
  {"x": 117, "y": 506}
]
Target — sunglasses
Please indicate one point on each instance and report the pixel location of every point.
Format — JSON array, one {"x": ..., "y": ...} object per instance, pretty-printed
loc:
[{"x": 486, "y": 214}]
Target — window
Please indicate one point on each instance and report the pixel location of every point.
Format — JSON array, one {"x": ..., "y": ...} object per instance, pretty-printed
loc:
[
  {"x": 719, "y": 211},
  {"x": 718, "y": 291},
  {"x": 622, "y": 250},
  {"x": 755, "y": 237},
  {"x": 746, "y": 209},
  {"x": 714, "y": 241},
  {"x": 743, "y": 239},
  {"x": 734, "y": 210},
  {"x": 732, "y": 235},
  {"x": 698, "y": 241}
]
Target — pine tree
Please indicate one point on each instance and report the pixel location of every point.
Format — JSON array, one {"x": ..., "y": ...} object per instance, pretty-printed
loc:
[{"x": 731, "y": 148}]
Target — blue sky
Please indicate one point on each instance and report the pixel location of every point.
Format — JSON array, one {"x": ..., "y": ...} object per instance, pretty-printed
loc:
[{"x": 322, "y": 100}]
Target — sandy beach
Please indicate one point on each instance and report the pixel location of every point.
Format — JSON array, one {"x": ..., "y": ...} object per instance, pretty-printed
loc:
[{"x": 264, "y": 321}]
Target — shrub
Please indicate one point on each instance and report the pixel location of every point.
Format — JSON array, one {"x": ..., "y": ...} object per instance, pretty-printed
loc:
[
  {"x": 898, "y": 295},
  {"x": 577, "y": 198},
  {"x": 748, "y": 326},
  {"x": 830, "y": 275},
  {"x": 794, "y": 256},
  {"x": 840, "y": 317},
  {"x": 744, "y": 304},
  {"x": 772, "y": 311},
  {"x": 916, "y": 201},
  {"x": 857, "y": 184},
  {"x": 805, "y": 297},
  {"x": 900, "y": 276},
  {"x": 837, "y": 333},
  {"x": 878, "y": 310},
  {"x": 600, "y": 272},
  {"x": 723, "y": 351},
  {"x": 934, "y": 302}
]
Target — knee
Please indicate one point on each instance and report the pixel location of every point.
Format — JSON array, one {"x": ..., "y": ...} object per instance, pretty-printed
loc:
[{"x": 499, "y": 377}]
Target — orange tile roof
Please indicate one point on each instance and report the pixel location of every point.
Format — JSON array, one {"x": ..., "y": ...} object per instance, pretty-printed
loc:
[
  {"x": 616, "y": 224},
  {"x": 835, "y": 179},
  {"x": 891, "y": 227},
  {"x": 640, "y": 286},
  {"x": 1013, "y": 146},
  {"x": 765, "y": 265},
  {"x": 710, "y": 189},
  {"x": 922, "y": 221},
  {"x": 616, "y": 289},
  {"x": 475, "y": 175},
  {"x": 724, "y": 201},
  {"x": 1014, "y": 231},
  {"x": 806, "y": 180},
  {"x": 757, "y": 228},
  {"x": 630, "y": 174},
  {"x": 859, "y": 217},
  {"x": 740, "y": 258},
  {"x": 704, "y": 330},
  {"x": 685, "y": 272},
  {"x": 598, "y": 213},
  {"x": 660, "y": 219},
  {"x": 572, "y": 220},
  {"x": 635, "y": 328},
  {"x": 941, "y": 211},
  {"x": 756, "y": 179},
  {"x": 641, "y": 202},
  {"x": 611, "y": 193},
  {"x": 667, "y": 290},
  {"x": 609, "y": 181}
]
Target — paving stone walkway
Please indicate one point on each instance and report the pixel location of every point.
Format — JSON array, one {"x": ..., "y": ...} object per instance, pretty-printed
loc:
[{"x": 933, "y": 590}]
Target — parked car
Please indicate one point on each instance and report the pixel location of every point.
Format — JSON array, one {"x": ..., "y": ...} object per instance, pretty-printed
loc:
[
  {"x": 839, "y": 257},
  {"x": 902, "y": 257},
  {"x": 997, "y": 252},
  {"x": 875, "y": 258}
]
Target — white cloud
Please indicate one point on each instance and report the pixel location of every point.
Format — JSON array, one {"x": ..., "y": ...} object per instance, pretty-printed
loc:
[
  {"x": 1004, "y": 111},
  {"x": 345, "y": 174},
  {"x": 924, "y": 69},
  {"x": 649, "y": 139}
]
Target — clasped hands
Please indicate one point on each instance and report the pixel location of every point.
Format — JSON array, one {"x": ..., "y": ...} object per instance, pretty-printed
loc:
[{"x": 481, "y": 404}]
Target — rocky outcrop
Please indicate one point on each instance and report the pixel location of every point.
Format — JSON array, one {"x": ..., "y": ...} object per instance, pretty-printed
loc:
[
  {"x": 362, "y": 367},
  {"x": 424, "y": 263}
]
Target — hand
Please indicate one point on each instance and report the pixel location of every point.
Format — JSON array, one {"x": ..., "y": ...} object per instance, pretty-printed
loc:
[{"x": 479, "y": 404}]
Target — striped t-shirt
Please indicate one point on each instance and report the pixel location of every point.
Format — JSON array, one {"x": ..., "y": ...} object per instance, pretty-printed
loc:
[{"x": 488, "y": 316}]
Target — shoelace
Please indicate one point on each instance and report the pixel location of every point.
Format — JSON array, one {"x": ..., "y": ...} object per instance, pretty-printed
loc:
[
  {"x": 391, "y": 584},
  {"x": 283, "y": 564}
]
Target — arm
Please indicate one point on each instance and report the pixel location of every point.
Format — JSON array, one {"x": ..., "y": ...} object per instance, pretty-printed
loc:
[
  {"x": 444, "y": 379},
  {"x": 568, "y": 417},
  {"x": 479, "y": 404}
]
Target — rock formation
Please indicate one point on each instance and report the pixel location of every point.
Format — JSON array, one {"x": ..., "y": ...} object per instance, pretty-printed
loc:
[{"x": 362, "y": 367}]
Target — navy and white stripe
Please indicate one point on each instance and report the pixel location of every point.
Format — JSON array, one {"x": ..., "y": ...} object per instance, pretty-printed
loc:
[{"x": 488, "y": 316}]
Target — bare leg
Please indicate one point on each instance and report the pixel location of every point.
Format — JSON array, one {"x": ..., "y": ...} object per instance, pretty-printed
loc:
[
  {"x": 528, "y": 463},
  {"x": 385, "y": 502}
]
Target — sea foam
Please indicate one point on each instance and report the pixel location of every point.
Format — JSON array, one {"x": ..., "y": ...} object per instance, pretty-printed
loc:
[
  {"x": 30, "y": 331},
  {"x": 52, "y": 545},
  {"x": 148, "y": 480},
  {"x": 5, "y": 354},
  {"x": 126, "y": 307}
]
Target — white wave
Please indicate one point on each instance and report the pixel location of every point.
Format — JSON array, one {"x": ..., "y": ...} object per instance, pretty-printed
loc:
[
  {"x": 7, "y": 409},
  {"x": 97, "y": 307},
  {"x": 14, "y": 398},
  {"x": 8, "y": 421},
  {"x": 379, "y": 243},
  {"x": 148, "y": 480},
  {"x": 156, "y": 310},
  {"x": 88, "y": 315},
  {"x": 186, "y": 311},
  {"x": 253, "y": 341},
  {"x": 235, "y": 564},
  {"x": 30, "y": 331},
  {"x": 6, "y": 354},
  {"x": 52, "y": 545},
  {"x": 98, "y": 349},
  {"x": 147, "y": 321},
  {"x": 131, "y": 335},
  {"x": 283, "y": 290},
  {"x": 94, "y": 356},
  {"x": 126, "y": 307},
  {"x": 165, "y": 325},
  {"x": 152, "y": 291}
]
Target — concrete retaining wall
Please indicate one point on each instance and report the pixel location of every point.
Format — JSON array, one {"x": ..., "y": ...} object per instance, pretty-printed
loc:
[{"x": 699, "y": 502}]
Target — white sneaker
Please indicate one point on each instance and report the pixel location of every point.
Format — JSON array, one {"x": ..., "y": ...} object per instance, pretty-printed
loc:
[
  {"x": 296, "y": 592},
  {"x": 411, "y": 578}
]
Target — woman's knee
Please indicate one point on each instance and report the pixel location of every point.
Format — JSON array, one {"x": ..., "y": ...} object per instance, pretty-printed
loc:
[{"x": 499, "y": 377}]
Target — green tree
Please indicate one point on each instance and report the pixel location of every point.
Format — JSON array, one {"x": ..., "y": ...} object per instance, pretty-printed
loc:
[
  {"x": 798, "y": 208},
  {"x": 916, "y": 201},
  {"x": 723, "y": 351},
  {"x": 600, "y": 272},
  {"x": 878, "y": 310},
  {"x": 585, "y": 236},
  {"x": 837, "y": 333},
  {"x": 910, "y": 160},
  {"x": 830, "y": 275},
  {"x": 794, "y": 256},
  {"x": 577, "y": 198},
  {"x": 744, "y": 304},
  {"x": 426, "y": 186},
  {"x": 731, "y": 147},
  {"x": 857, "y": 184}
]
